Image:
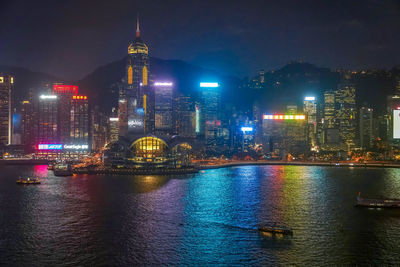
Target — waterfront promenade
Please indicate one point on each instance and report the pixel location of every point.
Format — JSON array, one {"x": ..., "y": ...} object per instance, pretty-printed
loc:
[{"x": 224, "y": 164}]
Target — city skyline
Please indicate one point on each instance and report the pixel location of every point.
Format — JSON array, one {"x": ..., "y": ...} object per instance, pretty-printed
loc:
[{"x": 341, "y": 34}]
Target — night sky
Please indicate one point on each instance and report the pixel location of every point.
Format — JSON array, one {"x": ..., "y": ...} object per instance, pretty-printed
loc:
[{"x": 71, "y": 38}]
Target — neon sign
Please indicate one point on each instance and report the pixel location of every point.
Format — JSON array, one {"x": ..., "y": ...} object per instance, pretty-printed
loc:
[
  {"x": 163, "y": 84},
  {"x": 114, "y": 119},
  {"x": 206, "y": 84},
  {"x": 284, "y": 117},
  {"x": 48, "y": 97},
  {"x": 76, "y": 147},
  {"x": 79, "y": 97},
  {"x": 309, "y": 98},
  {"x": 50, "y": 146},
  {"x": 246, "y": 129},
  {"x": 65, "y": 89}
]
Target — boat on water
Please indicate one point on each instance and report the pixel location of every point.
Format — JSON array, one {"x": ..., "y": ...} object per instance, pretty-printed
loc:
[
  {"x": 28, "y": 180},
  {"x": 275, "y": 229},
  {"x": 62, "y": 169},
  {"x": 378, "y": 202}
]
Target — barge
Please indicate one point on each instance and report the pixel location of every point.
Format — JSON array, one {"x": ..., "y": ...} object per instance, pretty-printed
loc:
[{"x": 378, "y": 202}]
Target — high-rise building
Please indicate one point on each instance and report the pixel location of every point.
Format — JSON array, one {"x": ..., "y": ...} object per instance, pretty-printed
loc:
[
  {"x": 185, "y": 116},
  {"x": 284, "y": 134},
  {"x": 163, "y": 108},
  {"x": 366, "y": 127},
  {"x": 329, "y": 109},
  {"x": 392, "y": 104},
  {"x": 27, "y": 115},
  {"x": 46, "y": 124},
  {"x": 310, "y": 110},
  {"x": 6, "y": 87},
  {"x": 99, "y": 123},
  {"x": 136, "y": 110},
  {"x": 209, "y": 110},
  {"x": 112, "y": 129},
  {"x": 79, "y": 120},
  {"x": 345, "y": 111}
]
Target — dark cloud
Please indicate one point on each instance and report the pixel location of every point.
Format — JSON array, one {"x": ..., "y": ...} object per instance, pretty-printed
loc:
[{"x": 70, "y": 38}]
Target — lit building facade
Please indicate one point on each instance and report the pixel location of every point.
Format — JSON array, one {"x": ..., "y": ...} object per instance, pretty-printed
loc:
[
  {"x": 310, "y": 110},
  {"x": 345, "y": 114},
  {"x": 6, "y": 87},
  {"x": 163, "y": 108},
  {"x": 136, "y": 103},
  {"x": 366, "y": 127},
  {"x": 149, "y": 151},
  {"x": 329, "y": 109},
  {"x": 98, "y": 130},
  {"x": 185, "y": 116},
  {"x": 112, "y": 130},
  {"x": 79, "y": 120},
  {"x": 285, "y": 134},
  {"x": 210, "y": 123}
]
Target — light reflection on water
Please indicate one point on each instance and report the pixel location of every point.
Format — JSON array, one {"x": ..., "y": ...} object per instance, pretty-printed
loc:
[{"x": 203, "y": 219}]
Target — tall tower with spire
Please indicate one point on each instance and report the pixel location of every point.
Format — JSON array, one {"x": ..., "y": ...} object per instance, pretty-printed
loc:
[{"x": 134, "y": 112}]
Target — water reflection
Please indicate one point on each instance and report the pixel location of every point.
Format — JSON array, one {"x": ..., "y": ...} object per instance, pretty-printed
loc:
[{"x": 205, "y": 219}]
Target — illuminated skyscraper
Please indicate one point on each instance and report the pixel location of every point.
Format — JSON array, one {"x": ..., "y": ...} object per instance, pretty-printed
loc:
[
  {"x": 284, "y": 134},
  {"x": 136, "y": 115},
  {"x": 185, "y": 116},
  {"x": 209, "y": 112},
  {"x": 6, "y": 86},
  {"x": 46, "y": 124},
  {"x": 163, "y": 107},
  {"x": 329, "y": 109},
  {"x": 79, "y": 120},
  {"x": 28, "y": 114},
  {"x": 310, "y": 109},
  {"x": 366, "y": 127},
  {"x": 345, "y": 99}
]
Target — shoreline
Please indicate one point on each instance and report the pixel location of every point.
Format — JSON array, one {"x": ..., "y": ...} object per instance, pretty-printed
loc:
[{"x": 301, "y": 163}]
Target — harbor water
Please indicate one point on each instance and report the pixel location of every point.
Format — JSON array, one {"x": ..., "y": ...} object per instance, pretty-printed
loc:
[{"x": 206, "y": 218}]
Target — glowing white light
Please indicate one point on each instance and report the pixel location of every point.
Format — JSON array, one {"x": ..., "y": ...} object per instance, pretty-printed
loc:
[
  {"x": 309, "y": 98},
  {"x": 246, "y": 129},
  {"x": 135, "y": 122},
  {"x": 209, "y": 84},
  {"x": 76, "y": 147},
  {"x": 163, "y": 84},
  {"x": 48, "y": 97},
  {"x": 113, "y": 119}
]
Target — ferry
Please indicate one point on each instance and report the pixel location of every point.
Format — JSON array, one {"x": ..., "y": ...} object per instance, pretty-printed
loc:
[
  {"x": 62, "y": 169},
  {"x": 377, "y": 202},
  {"x": 274, "y": 229},
  {"x": 28, "y": 180}
]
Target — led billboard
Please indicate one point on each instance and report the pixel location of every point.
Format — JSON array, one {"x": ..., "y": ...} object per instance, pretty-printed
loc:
[
  {"x": 396, "y": 124},
  {"x": 65, "y": 89},
  {"x": 209, "y": 84},
  {"x": 50, "y": 146}
]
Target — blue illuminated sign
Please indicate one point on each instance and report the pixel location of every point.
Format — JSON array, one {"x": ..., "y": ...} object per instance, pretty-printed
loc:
[
  {"x": 246, "y": 129},
  {"x": 140, "y": 111},
  {"x": 50, "y": 146}
]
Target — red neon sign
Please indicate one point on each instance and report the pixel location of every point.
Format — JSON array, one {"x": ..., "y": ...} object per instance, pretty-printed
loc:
[{"x": 61, "y": 89}]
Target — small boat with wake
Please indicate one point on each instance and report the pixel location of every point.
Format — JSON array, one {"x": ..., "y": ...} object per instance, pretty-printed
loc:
[
  {"x": 28, "y": 180},
  {"x": 275, "y": 229},
  {"x": 378, "y": 202}
]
